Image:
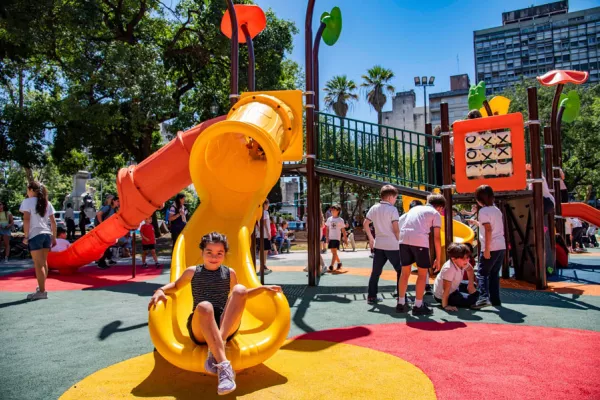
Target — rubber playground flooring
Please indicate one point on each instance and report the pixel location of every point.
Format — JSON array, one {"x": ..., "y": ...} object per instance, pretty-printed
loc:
[{"x": 92, "y": 342}]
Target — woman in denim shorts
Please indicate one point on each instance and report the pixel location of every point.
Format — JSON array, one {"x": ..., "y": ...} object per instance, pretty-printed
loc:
[{"x": 39, "y": 226}]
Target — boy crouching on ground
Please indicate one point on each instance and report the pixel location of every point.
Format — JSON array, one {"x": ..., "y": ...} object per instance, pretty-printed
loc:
[{"x": 447, "y": 288}]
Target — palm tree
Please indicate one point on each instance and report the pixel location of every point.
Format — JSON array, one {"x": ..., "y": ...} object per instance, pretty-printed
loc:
[
  {"x": 340, "y": 94},
  {"x": 376, "y": 83}
]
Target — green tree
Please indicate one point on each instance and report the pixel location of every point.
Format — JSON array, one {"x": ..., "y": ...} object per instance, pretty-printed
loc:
[
  {"x": 580, "y": 139},
  {"x": 118, "y": 71},
  {"x": 340, "y": 94},
  {"x": 376, "y": 84}
]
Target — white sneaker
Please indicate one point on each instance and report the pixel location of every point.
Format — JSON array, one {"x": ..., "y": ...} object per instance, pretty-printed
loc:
[
  {"x": 323, "y": 269},
  {"x": 226, "y": 376},
  {"x": 38, "y": 296},
  {"x": 5, "y": 259},
  {"x": 305, "y": 269}
]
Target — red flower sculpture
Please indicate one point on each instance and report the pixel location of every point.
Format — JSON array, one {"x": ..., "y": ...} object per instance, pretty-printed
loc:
[
  {"x": 557, "y": 77},
  {"x": 251, "y": 15}
]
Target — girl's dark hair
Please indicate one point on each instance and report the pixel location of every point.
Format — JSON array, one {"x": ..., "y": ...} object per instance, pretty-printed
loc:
[
  {"x": 69, "y": 205},
  {"x": 337, "y": 207},
  {"x": 485, "y": 195},
  {"x": 458, "y": 250},
  {"x": 214, "y": 238},
  {"x": 42, "y": 197},
  {"x": 177, "y": 203}
]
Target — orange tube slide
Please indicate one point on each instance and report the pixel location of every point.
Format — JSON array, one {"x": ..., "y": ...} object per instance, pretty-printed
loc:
[
  {"x": 142, "y": 188},
  {"x": 581, "y": 211}
]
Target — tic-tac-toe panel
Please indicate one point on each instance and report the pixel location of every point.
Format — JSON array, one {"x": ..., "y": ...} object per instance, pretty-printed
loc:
[{"x": 490, "y": 151}]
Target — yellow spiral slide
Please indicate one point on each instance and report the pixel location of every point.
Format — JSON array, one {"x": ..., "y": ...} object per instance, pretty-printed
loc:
[{"x": 233, "y": 164}]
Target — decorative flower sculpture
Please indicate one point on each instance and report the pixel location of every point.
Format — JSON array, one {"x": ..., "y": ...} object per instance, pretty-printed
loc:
[
  {"x": 247, "y": 14},
  {"x": 499, "y": 106},
  {"x": 333, "y": 25},
  {"x": 476, "y": 96},
  {"x": 557, "y": 77},
  {"x": 571, "y": 103}
]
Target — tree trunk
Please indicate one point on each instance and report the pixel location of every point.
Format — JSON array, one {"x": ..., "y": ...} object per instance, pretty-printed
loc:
[
  {"x": 28, "y": 171},
  {"x": 588, "y": 193}
]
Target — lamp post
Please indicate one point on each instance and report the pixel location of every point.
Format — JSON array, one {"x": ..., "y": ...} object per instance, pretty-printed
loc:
[{"x": 424, "y": 81}]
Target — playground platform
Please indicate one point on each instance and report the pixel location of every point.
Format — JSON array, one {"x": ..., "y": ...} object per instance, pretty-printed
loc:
[{"x": 90, "y": 339}]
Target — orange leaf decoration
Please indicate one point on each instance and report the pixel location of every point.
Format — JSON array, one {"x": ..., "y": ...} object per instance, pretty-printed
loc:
[{"x": 557, "y": 77}]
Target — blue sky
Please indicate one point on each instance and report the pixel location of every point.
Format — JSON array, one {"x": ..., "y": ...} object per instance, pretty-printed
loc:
[{"x": 409, "y": 37}]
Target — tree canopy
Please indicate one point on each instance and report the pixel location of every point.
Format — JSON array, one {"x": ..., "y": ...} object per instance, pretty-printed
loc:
[{"x": 105, "y": 78}]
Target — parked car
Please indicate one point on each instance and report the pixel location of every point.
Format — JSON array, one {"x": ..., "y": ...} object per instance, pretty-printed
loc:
[
  {"x": 17, "y": 224},
  {"x": 61, "y": 215},
  {"x": 296, "y": 225}
]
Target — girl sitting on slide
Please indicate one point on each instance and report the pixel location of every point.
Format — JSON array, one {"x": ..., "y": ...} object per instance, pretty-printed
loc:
[{"x": 219, "y": 302}]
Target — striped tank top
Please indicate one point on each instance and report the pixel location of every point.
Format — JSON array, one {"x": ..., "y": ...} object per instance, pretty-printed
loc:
[{"x": 211, "y": 286}]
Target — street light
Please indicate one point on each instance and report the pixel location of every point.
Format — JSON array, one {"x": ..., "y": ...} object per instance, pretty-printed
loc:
[{"x": 423, "y": 82}]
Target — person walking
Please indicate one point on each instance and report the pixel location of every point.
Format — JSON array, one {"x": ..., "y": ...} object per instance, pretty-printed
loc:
[
  {"x": 6, "y": 224},
  {"x": 177, "y": 217},
  {"x": 70, "y": 222},
  {"x": 39, "y": 226},
  {"x": 83, "y": 219}
]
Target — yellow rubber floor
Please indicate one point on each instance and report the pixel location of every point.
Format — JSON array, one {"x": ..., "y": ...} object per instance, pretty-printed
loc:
[{"x": 302, "y": 369}]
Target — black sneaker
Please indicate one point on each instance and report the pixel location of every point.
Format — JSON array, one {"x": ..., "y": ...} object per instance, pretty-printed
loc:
[
  {"x": 112, "y": 262},
  {"x": 423, "y": 310},
  {"x": 339, "y": 266},
  {"x": 428, "y": 289},
  {"x": 331, "y": 267},
  {"x": 144, "y": 265},
  {"x": 102, "y": 265},
  {"x": 374, "y": 300},
  {"x": 402, "y": 308}
]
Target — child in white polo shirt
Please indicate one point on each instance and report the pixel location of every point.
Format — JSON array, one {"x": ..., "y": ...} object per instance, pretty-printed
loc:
[
  {"x": 447, "y": 286},
  {"x": 414, "y": 248},
  {"x": 493, "y": 246},
  {"x": 335, "y": 230},
  {"x": 384, "y": 216}
]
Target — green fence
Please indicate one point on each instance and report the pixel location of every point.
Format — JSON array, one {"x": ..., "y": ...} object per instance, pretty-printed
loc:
[{"x": 376, "y": 151}]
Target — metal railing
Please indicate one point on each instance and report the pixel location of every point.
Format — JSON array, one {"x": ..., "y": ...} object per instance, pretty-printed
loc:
[{"x": 375, "y": 151}]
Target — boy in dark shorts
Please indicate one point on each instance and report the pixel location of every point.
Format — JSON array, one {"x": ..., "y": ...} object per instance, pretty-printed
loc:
[
  {"x": 414, "y": 248},
  {"x": 335, "y": 229},
  {"x": 148, "y": 242},
  {"x": 384, "y": 216}
]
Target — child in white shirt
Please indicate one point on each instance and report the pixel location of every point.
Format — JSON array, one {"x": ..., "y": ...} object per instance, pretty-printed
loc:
[
  {"x": 61, "y": 242},
  {"x": 384, "y": 216},
  {"x": 414, "y": 248},
  {"x": 493, "y": 247},
  {"x": 335, "y": 230},
  {"x": 447, "y": 285}
]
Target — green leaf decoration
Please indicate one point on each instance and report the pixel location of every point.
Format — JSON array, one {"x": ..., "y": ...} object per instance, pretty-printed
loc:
[
  {"x": 476, "y": 96},
  {"x": 572, "y": 104},
  {"x": 333, "y": 26}
]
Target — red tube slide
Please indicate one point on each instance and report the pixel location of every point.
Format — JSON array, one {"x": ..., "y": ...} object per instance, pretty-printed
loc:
[
  {"x": 142, "y": 188},
  {"x": 581, "y": 211}
]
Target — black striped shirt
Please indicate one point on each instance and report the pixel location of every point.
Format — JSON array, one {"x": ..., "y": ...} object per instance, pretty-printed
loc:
[{"x": 211, "y": 286}]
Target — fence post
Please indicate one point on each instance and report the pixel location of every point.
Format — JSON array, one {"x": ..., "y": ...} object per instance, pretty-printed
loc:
[{"x": 447, "y": 173}]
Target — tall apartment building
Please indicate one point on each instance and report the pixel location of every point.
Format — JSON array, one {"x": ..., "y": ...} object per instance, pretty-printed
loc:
[{"x": 535, "y": 40}]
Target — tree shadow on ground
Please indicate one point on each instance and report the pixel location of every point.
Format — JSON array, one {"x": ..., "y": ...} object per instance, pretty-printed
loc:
[
  {"x": 166, "y": 380},
  {"x": 144, "y": 289}
]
